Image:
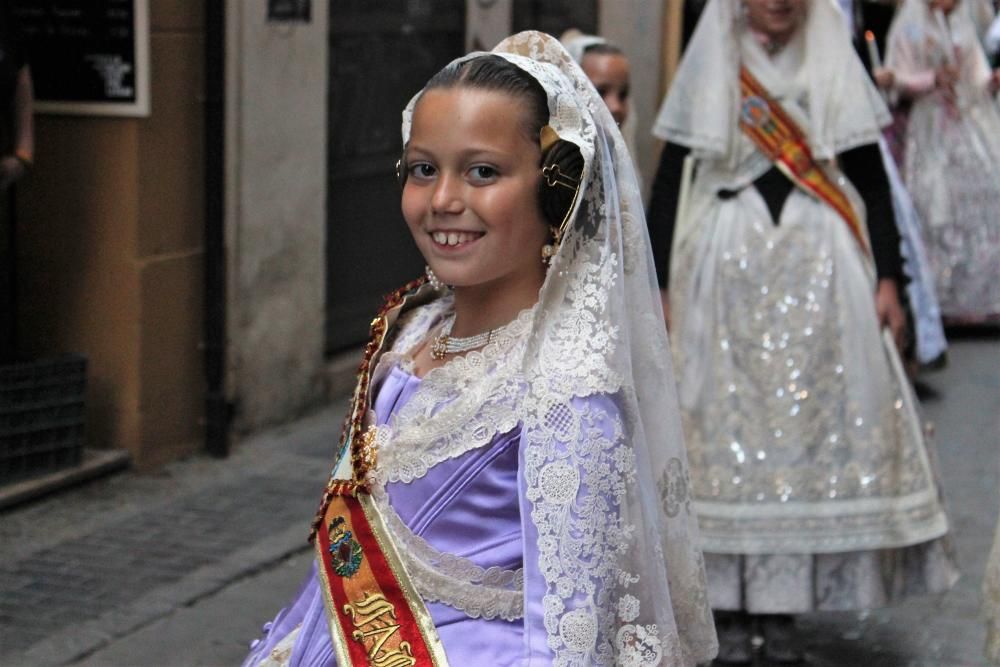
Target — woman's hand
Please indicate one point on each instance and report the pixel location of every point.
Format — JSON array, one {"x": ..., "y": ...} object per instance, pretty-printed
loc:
[
  {"x": 889, "y": 311},
  {"x": 884, "y": 77},
  {"x": 945, "y": 78},
  {"x": 11, "y": 170}
]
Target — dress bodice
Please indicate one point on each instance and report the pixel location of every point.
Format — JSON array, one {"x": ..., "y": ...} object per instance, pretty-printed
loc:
[{"x": 466, "y": 506}]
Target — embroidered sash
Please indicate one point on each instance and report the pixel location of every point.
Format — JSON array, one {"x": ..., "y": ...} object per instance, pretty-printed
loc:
[
  {"x": 376, "y": 617},
  {"x": 774, "y": 132}
]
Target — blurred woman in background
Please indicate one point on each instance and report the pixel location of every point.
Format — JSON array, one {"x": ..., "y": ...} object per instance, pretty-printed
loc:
[
  {"x": 952, "y": 151},
  {"x": 811, "y": 476}
]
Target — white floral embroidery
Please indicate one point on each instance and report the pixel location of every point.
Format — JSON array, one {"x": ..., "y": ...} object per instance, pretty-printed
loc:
[
  {"x": 628, "y": 608},
  {"x": 638, "y": 645},
  {"x": 559, "y": 482},
  {"x": 578, "y": 631}
]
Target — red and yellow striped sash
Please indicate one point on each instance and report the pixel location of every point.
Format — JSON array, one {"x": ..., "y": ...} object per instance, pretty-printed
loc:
[
  {"x": 779, "y": 137},
  {"x": 376, "y": 616}
]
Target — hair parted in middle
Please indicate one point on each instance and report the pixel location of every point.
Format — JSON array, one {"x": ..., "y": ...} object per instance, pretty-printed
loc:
[{"x": 493, "y": 73}]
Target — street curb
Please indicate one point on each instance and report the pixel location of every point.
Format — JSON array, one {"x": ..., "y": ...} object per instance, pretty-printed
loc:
[
  {"x": 78, "y": 641},
  {"x": 96, "y": 463}
]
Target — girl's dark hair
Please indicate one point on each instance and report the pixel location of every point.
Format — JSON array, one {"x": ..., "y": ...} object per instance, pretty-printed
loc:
[
  {"x": 603, "y": 49},
  {"x": 491, "y": 72}
]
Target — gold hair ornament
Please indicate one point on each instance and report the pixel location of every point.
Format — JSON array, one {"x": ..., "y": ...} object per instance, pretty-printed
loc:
[{"x": 547, "y": 137}]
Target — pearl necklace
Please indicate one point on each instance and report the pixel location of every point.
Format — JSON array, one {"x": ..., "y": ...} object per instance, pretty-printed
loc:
[{"x": 444, "y": 343}]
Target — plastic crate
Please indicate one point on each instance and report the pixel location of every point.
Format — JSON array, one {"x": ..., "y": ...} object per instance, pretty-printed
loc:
[{"x": 41, "y": 416}]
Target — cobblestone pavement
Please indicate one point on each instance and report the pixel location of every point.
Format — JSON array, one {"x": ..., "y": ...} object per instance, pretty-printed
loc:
[
  {"x": 962, "y": 401},
  {"x": 169, "y": 568},
  {"x": 87, "y": 566}
]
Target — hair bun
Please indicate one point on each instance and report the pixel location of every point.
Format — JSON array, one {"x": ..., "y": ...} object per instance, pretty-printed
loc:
[{"x": 556, "y": 198}]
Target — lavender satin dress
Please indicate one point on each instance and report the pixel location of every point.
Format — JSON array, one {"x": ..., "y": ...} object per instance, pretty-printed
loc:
[{"x": 470, "y": 506}]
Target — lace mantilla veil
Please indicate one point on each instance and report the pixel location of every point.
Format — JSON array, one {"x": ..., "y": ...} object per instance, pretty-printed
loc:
[{"x": 617, "y": 540}]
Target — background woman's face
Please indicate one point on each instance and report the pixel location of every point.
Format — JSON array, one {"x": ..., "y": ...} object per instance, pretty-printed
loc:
[
  {"x": 944, "y": 5},
  {"x": 778, "y": 19},
  {"x": 609, "y": 74}
]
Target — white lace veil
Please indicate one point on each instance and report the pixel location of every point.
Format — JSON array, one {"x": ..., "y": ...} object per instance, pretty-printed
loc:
[
  {"x": 845, "y": 109},
  {"x": 624, "y": 577}
]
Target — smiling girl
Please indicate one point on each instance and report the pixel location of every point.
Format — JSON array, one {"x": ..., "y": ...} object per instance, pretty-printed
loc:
[{"x": 512, "y": 486}]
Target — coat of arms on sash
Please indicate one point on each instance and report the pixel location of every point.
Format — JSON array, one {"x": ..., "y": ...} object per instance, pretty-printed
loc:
[{"x": 345, "y": 551}]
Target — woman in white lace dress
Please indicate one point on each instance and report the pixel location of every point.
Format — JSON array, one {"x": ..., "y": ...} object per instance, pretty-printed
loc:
[
  {"x": 515, "y": 441},
  {"x": 812, "y": 480},
  {"x": 952, "y": 151}
]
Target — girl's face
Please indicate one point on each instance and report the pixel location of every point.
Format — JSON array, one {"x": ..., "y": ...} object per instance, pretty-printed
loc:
[
  {"x": 471, "y": 194},
  {"x": 609, "y": 74},
  {"x": 777, "y": 19}
]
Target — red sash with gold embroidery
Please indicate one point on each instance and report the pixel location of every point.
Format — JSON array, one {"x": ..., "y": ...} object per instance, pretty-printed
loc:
[
  {"x": 376, "y": 617},
  {"x": 778, "y": 136}
]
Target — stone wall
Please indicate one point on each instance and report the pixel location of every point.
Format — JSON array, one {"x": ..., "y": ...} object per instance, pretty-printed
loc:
[{"x": 276, "y": 141}]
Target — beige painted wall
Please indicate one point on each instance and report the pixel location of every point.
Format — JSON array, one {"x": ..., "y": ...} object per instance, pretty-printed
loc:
[
  {"x": 110, "y": 251},
  {"x": 275, "y": 211},
  {"x": 636, "y": 26}
]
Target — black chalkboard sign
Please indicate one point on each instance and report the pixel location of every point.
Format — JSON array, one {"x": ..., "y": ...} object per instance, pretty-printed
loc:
[
  {"x": 87, "y": 56},
  {"x": 289, "y": 10}
]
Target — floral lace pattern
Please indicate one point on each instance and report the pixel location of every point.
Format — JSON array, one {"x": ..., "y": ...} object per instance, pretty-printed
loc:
[
  {"x": 460, "y": 406},
  {"x": 803, "y": 583},
  {"x": 578, "y": 473}
]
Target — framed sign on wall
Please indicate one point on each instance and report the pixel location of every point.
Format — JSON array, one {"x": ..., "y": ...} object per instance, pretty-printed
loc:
[{"x": 88, "y": 57}]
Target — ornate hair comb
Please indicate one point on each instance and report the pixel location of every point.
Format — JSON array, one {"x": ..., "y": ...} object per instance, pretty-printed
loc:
[{"x": 554, "y": 176}]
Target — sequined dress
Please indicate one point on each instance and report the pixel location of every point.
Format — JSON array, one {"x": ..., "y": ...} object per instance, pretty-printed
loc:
[
  {"x": 813, "y": 482},
  {"x": 802, "y": 431}
]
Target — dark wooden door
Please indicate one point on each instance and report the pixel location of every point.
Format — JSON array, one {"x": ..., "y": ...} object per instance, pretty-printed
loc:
[
  {"x": 555, "y": 16},
  {"x": 381, "y": 54}
]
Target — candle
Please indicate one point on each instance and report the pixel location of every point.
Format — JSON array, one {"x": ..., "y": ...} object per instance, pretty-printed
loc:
[{"x": 873, "y": 56}]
